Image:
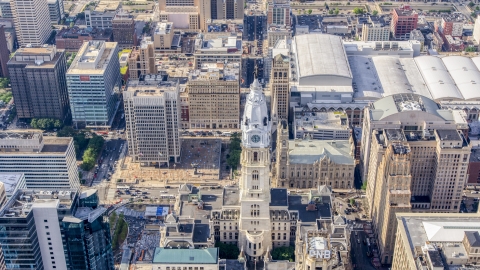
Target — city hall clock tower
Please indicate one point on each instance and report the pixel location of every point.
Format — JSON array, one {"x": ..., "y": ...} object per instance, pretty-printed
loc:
[{"x": 255, "y": 227}]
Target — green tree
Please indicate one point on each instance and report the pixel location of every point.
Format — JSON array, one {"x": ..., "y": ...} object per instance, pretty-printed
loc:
[
  {"x": 471, "y": 49},
  {"x": 375, "y": 13},
  {"x": 284, "y": 253},
  {"x": 330, "y": 11},
  {"x": 337, "y": 11},
  {"x": 348, "y": 3},
  {"x": 309, "y": 11},
  {"x": 352, "y": 201},
  {"x": 364, "y": 186},
  {"x": 471, "y": 4},
  {"x": 227, "y": 251},
  {"x": 358, "y": 11},
  {"x": 4, "y": 82}
]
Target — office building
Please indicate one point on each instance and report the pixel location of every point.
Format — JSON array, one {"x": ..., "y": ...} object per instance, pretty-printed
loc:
[
  {"x": 217, "y": 47},
  {"x": 375, "y": 30},
  {"x": 56, "y": 11},
  {"x": 6, "y": 9},
  {"x": 32, "y": 21},
  {"x": 275, "y": 33},
  {"x": 307, "y": 163},
  {"x": 415, "y": 158},
  {"x": 279, "y": 87},
  {"x": 163, "y": 35},
  {"x": 474, "y": 167},
  {"x": 48, "y": 163},
  {"x": 436, "y": 241},
  {"x": 11, "y": 182},
  {"x": 186, "y": 14},
  {"x": 418, "y": 36},
  {"x": 37, "y": 75},
  {"x": 93, "y": 80},
  {"x": 214, "y": 96},
  {"x": 72, "y": 39},
  {"x": 142, "y": 60},
  {"x": 102, "y": 14},
  {"x": 404, "y": 20},
  {"x": 278, "y": 13},
  {"x": 56, "y": 231},
  {"x": 152, "y": 111},
  {"x": 450, "y": 25},
  {"x": 4, "y": 54},
  {"x": 123, "y": 26},
  {"x": 86, "y": 234}
]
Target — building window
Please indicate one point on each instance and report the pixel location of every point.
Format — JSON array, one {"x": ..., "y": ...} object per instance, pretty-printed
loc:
[{"x": 255, "y": 156}]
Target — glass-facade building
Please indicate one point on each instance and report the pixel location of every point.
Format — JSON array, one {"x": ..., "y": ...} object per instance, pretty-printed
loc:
[
  {"x": 49, "y": 230},
  {"x": 92, "y": 81}
]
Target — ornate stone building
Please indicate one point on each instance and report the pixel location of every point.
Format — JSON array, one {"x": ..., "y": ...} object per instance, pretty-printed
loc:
[
  {"x": 259, "y": 218},
  {"x": 311, "y": 163}
]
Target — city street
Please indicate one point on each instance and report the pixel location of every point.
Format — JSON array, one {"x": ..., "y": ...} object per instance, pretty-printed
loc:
[
  {"x": 359, "y": 250},
  {"x": 110, "y": 154}
]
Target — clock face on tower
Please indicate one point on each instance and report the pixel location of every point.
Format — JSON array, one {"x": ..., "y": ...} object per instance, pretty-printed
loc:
[{"x": 255, "y": 138}]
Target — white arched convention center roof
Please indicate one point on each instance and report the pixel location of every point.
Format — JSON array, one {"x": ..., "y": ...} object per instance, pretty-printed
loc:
[
  {"x": 321, "y": 54},
  {"x": 437, "y": 78},
  {"x": 465, "y": 74}
]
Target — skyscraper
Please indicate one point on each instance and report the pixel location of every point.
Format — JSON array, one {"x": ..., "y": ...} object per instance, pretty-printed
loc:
[
  {"x": 152, "y": 120},
  {"x": 123, "y": 26},
  {"x": 38, "y": 82},
  {"x": 55, "y": 230},
  {"x": 255, "y": 193},
  {"x": 214, "y": 96},
  {"x": 280, "y": 87},
  {"x": 92, "y": 81},
  {"x": 3, "y": 53},
  {"x": 32, "y": 21},
  {"x": 48, "y": 163},
  {"x": 417, "y": 157}
]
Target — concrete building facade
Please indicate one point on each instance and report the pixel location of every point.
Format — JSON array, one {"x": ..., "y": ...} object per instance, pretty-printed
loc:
[
  {"x": 214, "y": 96},
  {"x": 436, "y": 241},
  {"x": 38, "y": 81},
  {"x": 280, "y": 88},
  {"x": 32, "y": 21},
  {"x": 56, "y": 10},
  {"x": 430, "y": 145},
  {"x": 142, "y": 60},
  {"x": 375, "y": 31},
  {"x": 4, "y": 55},
  {"x": 152, "y": 111},
  {"x": 404, "y": 20},
  {"x": 49, "y": 163},
  {"x": 57, "y": 231},
  {"x": 93, "y": 81},
  {"x": 123, "y": 26}
]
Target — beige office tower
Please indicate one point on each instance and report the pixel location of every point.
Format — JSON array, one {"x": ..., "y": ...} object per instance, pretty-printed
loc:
[
  {"x": 214, "y": 96},
  {"x": 186, "y": 14},
  {"x": 279, "y": 87},
  {"x": 152, "y": 120},
  {"x": 392, "y": 193},
  {"x": 32, "y": 21},
  {"x": 430, "y": 174},
  {"x": 142, "y": 60}
]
